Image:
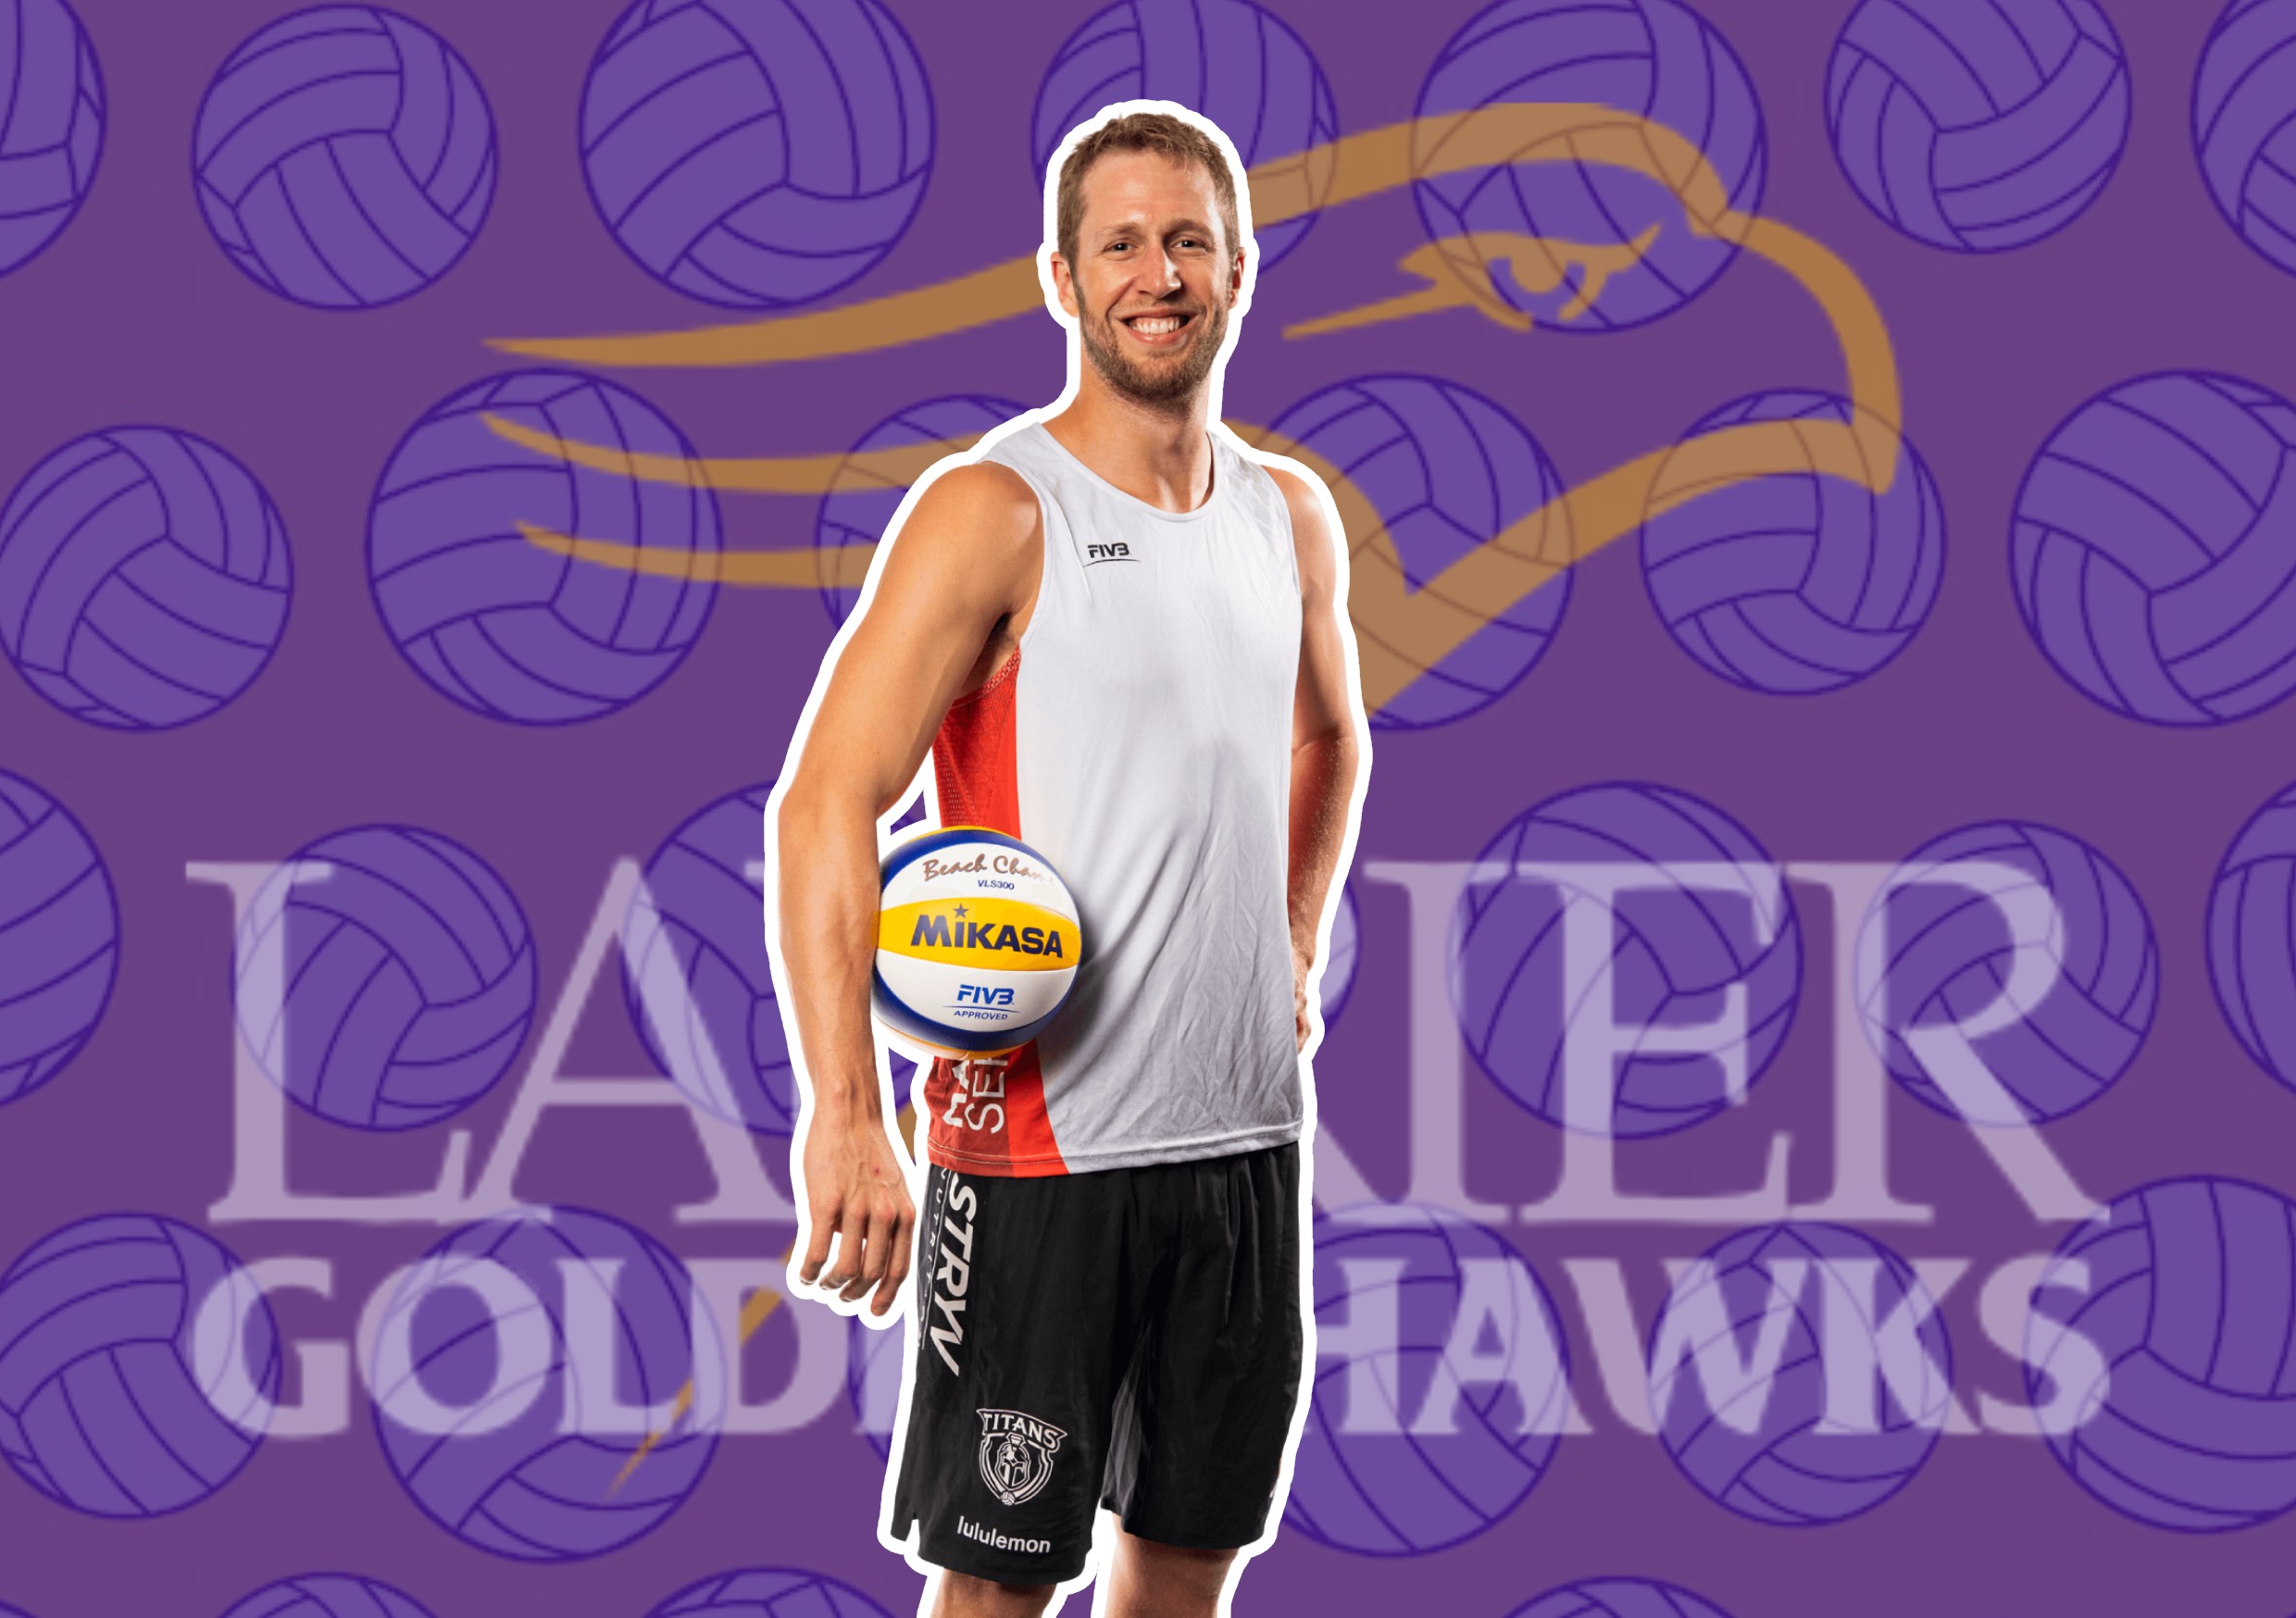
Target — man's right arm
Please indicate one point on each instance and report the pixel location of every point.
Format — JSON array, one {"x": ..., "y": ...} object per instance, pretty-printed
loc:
[{"x": 966, "y": 560}]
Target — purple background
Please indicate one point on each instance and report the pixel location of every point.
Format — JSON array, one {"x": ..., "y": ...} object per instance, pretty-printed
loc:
[{"x": 132, "y": 315}]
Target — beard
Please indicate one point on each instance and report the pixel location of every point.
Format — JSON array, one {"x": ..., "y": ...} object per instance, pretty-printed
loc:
[{"x": 1157, "y": 381}]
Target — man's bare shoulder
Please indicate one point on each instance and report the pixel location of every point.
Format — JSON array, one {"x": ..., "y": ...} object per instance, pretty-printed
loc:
[
  {"x": 1311, "y": 525},
  {"x": 1298, "y": 492},
  {"x": 980, "y": 504}
]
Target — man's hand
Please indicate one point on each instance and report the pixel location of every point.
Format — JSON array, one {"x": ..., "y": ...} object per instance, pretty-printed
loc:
[{"x": 855, "y": 1190}]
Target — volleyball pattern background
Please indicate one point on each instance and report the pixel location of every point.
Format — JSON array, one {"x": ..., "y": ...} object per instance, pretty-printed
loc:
[
  {"x": 1444, "y": 468},
  {"x": 1718, "y": 948},
  {"x": 769, "y": 1592},
  {"x": 59, "y": 937},
  {"x": 508, "y": 630},
  {"x": 2242, "y": 110},
  {"x": 144, "y": 578},
  {"x": 2251, "y": 937},
  {"x": 114, "y": 1399},
  {"x": 328, "y": 1595},
  {"x": 1979, "y": 128},
  {"x": 694, "y": 971},
  {"x": 1943, "y": 946},
  {"x": 757, "y": 152},
  {"x": 1863, "y": 1373},
  {"x": 312, "y": 240},
  {"x": 603, "y": 1314},
  {"x": 345, "y": 156},
  {"x": 1653, "y": 58},
  {"x": 2182, "y": 1293},
  {"x": 385, "y": 977},
  {"x": 1470, "y": 1387},
  {"x": 50, "y": 127},
  {"x": 1793, "y": 583},
  {"x": 2149, "y": 528},
  {"x": 1619, "y": 1598}
]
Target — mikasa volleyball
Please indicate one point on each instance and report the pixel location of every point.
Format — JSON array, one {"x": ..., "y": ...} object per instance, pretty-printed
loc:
[{"x": 977, "y": 941}]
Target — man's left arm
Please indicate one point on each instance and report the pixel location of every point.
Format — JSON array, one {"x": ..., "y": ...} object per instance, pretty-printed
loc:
[{"x": 1328, "y": 744}]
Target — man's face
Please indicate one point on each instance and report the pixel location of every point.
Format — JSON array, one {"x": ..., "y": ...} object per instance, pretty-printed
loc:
[{"x": 1153, "y": 279}]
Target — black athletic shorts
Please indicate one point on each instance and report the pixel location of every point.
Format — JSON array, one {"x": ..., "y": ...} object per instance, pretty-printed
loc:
[{"x": 1128, "y": 1339}]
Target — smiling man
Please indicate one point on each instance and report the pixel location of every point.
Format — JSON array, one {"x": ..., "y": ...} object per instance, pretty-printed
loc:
[{"x": 1119, "y": 635}]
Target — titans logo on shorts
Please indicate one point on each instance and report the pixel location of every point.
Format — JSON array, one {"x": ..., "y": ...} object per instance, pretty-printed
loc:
[{"x": 1128, "y": 1339}]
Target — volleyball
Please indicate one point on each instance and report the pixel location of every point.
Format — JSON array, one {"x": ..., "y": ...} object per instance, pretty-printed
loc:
[
  {"x": 525, "y": 1361},
  {"x": 1654, "y": 60},
  {"x": 756, "y": 153},
  {"x": 391, "y": 991},
  {"x": 769, "y": 1592},
  {"x": 489, "y": 617},
  {"x": 2251, "y": 937},
  {"x": 1618, "y": 1599},
  {"x": 328, "y": 1595},
  {"x": 51, "y": 126},
  {"x": 1444, "y": 471},
  {"x": 1440, "y": 1388},
  {"x": 2244, "y": 123},
  {"x": 1800, "y": 1373},
  {"x": 2148, "y": 536},
  {"x": 1237, "y": 64},
  {"x": 1705, "y": 939},
  {"x": 977, "y": 941},
  {"x": 1797, "y": 581},
  {"x": 144, "y": 579},
  {"x": 59, "y": 937},
  {"x": 2163, "y": 1329},
  {"x": 138, "y": 1365},
  {"x": 1977, "y": 128},
  {"x": 2035, "y": 938},
  {"x": 344, "y": 157},
  {"x": 861, "y": 500}
]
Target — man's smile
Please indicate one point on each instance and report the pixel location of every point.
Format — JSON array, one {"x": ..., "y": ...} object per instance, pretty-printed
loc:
[{"x": 1159, "y": 328}]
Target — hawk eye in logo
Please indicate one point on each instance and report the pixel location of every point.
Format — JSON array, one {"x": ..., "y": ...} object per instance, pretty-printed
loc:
[
  {"x": 1017, "y": 1453},
  {"x": 1114, "y": 551}
]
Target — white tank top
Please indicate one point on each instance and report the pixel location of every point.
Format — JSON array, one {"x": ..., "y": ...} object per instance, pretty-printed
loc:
[{"x": 1141, "y": 740}]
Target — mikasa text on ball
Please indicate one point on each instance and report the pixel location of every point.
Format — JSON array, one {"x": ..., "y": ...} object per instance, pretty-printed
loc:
[{"x": 977, "y": 941}]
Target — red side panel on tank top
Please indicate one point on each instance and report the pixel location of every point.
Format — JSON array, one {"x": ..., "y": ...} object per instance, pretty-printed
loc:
[{"x": 988, "y": 1114}]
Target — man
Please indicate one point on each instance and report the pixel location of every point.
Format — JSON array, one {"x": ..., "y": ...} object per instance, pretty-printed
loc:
[{"x": 1121, "y": 637}]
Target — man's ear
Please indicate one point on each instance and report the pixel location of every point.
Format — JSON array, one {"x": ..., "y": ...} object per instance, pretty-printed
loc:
[{"x": 1064, "y": 285}]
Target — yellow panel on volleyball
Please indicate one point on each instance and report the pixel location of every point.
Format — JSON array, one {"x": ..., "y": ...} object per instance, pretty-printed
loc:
[{"x": 1007, "y": 935}]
